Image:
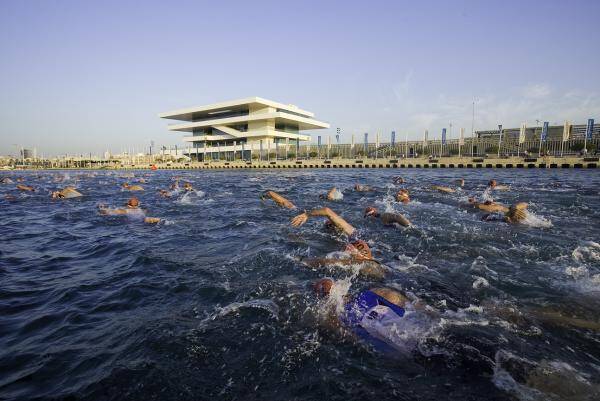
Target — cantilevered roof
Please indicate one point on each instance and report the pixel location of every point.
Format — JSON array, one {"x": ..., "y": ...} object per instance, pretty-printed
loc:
[
  {"x": 303, "y": 123},
  {"x": 200, "y": 112}
]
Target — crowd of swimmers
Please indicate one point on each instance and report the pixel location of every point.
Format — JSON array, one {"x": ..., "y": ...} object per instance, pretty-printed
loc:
[
  {"x": 370, "y": 314},
  {"x": 380, "y": 315},
  {"x": 131, "y": 208}
]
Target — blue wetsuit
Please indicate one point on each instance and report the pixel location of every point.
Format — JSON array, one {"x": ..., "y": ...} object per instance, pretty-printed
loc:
[{"x": 367, "y": 310}]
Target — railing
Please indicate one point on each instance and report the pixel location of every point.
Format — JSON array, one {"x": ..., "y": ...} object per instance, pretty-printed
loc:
[{"x": 411, "y": 149}]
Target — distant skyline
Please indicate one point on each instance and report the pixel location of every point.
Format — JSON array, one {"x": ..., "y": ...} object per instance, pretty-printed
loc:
[{"x": 81, "y": 76}]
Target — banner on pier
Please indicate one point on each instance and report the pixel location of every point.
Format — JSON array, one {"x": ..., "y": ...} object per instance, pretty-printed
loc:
[
  {"x": 377, "y": 140},
  {"x": 522, "y": 133},
  {"x": 366, "y": 142},
  {"x": 589, "y": 129},
  {"x": 545, "y": 131},
  {"x": 393, "y": 140},
  {"x": 461, "y": 139},
  {"x": 443, "y": 136},
  {"x": 352, "y": 142},
  {"x": 425, "y": 135},
  {"x": 567, "y": 131}
]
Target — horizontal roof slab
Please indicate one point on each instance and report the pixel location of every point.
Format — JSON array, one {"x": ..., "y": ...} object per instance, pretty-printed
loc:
[{"x": 193, "y": 113}]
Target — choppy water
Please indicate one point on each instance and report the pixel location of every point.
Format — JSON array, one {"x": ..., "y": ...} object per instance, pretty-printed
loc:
[{"x": 211, "y": 302}]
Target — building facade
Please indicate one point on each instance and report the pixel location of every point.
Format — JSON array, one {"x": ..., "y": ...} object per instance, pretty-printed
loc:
[{"x": 242, "y": 129}]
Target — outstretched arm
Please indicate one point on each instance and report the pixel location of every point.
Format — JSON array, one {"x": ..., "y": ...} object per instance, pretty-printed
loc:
[
  {"x": 280, "y": 200},
  {"x": 335, "y": 219}
]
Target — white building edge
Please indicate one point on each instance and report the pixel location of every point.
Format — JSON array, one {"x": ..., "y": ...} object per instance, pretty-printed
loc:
[{"x": 238, "y": 128}]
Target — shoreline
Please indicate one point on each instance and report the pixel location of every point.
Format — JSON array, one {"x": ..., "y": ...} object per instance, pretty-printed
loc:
[{"x": 551, "y": 162}]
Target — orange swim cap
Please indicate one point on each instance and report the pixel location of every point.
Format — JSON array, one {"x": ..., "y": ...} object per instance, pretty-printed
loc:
[
  {"x": 360, "y": 249},
  {"x": 133, "y": 202},
  {"x": 323, "y": 287}
]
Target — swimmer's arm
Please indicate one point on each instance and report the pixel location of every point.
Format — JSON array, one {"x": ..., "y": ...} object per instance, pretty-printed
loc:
[
  {"x": 400, "y": 219},
  {"x": 280, "y": 200},
  {"x": 335, "y": 219}
]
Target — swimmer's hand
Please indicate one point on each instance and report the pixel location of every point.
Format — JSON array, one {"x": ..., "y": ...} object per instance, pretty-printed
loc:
[{"x": 300, "y": 219}]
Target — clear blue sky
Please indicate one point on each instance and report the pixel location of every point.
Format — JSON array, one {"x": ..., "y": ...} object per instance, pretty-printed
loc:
[{"x": 87, "y": 76}]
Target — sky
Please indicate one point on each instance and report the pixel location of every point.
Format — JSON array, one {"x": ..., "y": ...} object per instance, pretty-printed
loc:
[{"x": 79, "y": 77}]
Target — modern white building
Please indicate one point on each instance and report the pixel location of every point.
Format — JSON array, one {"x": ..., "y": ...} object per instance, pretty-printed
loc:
[{"x": 242, "y": 128}]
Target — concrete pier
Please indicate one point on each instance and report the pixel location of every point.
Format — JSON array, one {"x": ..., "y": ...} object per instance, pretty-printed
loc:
[{"x": 445, "y": 162}]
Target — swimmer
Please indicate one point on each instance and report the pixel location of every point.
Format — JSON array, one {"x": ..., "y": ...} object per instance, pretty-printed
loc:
[
  {"x": 280, "y": 200},
  {"x": 460, "y": 182},
  {"x": 188, "y": 187},
  {"x": 175, "y": 185},
  {"x": 363, "y": 188},
  {"x": 494, "y": 185},
  {"x": 356, "y": 253},
  {"x": 332, "y": 217},
  {"x": 68, "y": 192},
  {"x": 443, "y": 189},
  {"x": 128, "y": 187},
  {"x": 398, "y": 180},
  {"x": 152, "y": 220},
  {"x": 26, "y": 188},
  {"x": 164, "y": 193},
  {"x": 384, "y": 317},
  {"x": 333, "y": 194},
  {"x": 515, "y": 214},
  {"x": 6, "y": 180},
  {"x": 132, "y": 207},
  {"x": 488, "y": 206},
  {"x": 388, "y": 219},
  {"x": 403, "y": 196}
]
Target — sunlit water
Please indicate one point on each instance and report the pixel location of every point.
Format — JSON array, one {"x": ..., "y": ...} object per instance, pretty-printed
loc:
[{"x": 211, "y": 302}]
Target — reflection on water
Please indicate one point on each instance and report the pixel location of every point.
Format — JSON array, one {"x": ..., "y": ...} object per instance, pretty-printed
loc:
[{"x": 212, "y": 302}]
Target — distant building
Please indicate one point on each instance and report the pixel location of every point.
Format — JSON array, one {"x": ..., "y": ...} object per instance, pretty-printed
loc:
[
  {"x": 238, "y": 127},
  {"x": 27, "y": 154}
]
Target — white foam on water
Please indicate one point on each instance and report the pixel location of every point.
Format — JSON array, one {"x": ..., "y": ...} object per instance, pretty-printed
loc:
[
  {"x": 264, "y": 304},
  {"x": 534, "y": 220},
  {"x": 337, "y": 195},
  {"x": 588, "y": 251},
  {"x": 190, "y": 197},
  {"x": 406, "y": 263},
  {"x": 336, "y": 299},
  {"x": 480, "y": 282}
]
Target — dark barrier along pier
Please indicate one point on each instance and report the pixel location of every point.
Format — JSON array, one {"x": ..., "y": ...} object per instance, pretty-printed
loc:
[{"x": 445, "y": 162}]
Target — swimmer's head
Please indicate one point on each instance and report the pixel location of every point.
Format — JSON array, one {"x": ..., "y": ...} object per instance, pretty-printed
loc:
[
  {"x": 517, "y": 212},
  {"x": 370, "y": 211},
  {"x": 492, "y": 183},
  {"x": 360, "y": 250},
  {"x": 390, "y": 295},
  {"x": 323, "y": 286},
  {"x": 403, "y": 196},
  {"x": 471, "y": 199},
  {"x": 133, "y": 203},
  {"x": 488, "y": 202},
  {"x": 461, "y": 182}
]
